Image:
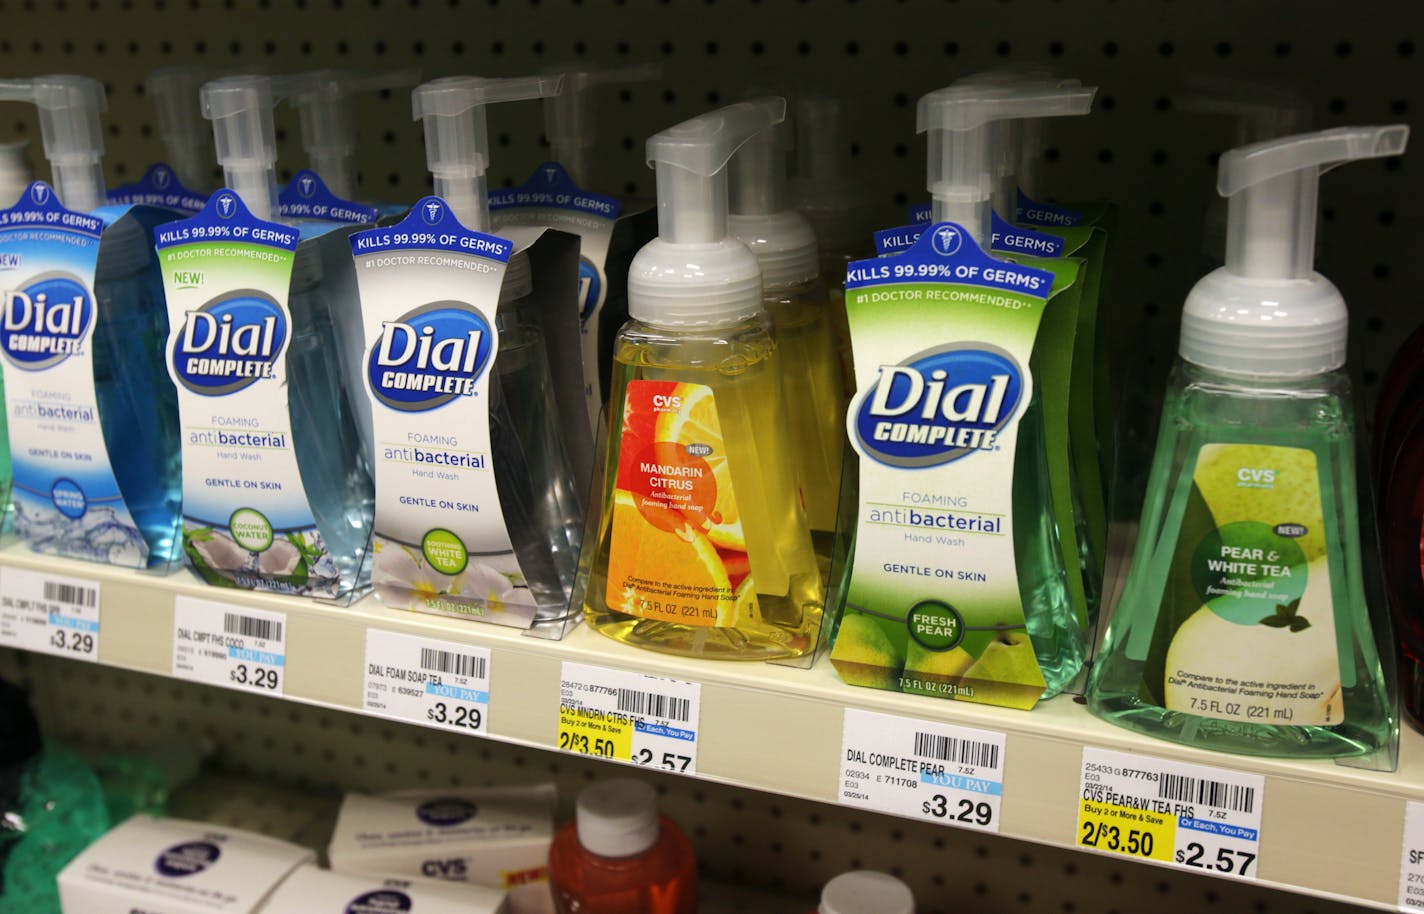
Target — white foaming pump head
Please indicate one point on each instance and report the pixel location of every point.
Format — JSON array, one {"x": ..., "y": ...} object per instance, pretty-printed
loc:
[
  {"x": 824, "y": 187},
  {"x": 761, "y": 215},
  {"x": 963, "y": 171},
  {"x": 571, "y": 119},
  {"x": 457, "y": 135},
  {"x": 694, "y": 273},
  {"x": 240, "y": 108},
  {"x": 187, "y": 139},
  {"x": 1021, "y": 143},
  {"x": 69, "y": 125},
  {"x": 1267, "y": 313},
  {"x": 326, "y": 111}
]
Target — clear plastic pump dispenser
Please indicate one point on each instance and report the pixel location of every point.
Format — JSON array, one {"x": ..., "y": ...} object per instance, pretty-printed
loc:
[
  {"x": 1255, "y": 464},
  {"x": 800, "y": 308},
  {"x": 962, "y": 166},
  {"x": 570, "y": 116},
  {"x": 532, "y": 470},
  {"x": 326, "y": 110},
  {"x": 240, "y": 108},
  {"x": 697, "y": 393},
  {"x": 187, "y": 139},
  {"x": 136, "y": 398}
]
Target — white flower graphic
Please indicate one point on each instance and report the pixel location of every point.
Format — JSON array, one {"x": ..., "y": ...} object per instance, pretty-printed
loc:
[
  {"x": 402, "y": 581},
  {"x": 493, "y": 589}
]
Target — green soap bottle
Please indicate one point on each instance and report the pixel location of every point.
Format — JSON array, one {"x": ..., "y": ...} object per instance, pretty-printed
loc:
[{"x": 1243, "y": 624}]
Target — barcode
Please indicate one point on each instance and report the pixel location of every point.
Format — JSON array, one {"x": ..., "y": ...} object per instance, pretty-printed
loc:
[
  {"x": 452, "y": 663},
  {"x": 249, "y": 627},
  {"x": 73, "y": 594},
  {"x": 650, "y": 704},
  {"x": 960, "y": 751},
  {"x": 1207, "y": 793}
]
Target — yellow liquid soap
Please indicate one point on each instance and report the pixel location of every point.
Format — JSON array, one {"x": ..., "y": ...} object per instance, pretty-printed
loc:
[
  {"x": 703, "y": 548},
  {"x": 815, "y": 398}
]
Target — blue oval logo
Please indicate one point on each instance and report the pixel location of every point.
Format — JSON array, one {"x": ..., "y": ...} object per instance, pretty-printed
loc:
[
  {"x": 590, "y": 287},
  {"x": 381, "y": 902},
  {"x": 446, "y": 811},
  {"x": 46, "y": 322},
  {"x": 430, "y": 356},
  {"x": 187, "y": 859},
  {"x": 229, "y": 344},
  {"x": 938, "y": 406}
]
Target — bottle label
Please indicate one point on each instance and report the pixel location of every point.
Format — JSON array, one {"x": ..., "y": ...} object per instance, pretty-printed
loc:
[
  {"x": 1006, "y": 238},
  {"x": 246, "y": 518},
  {"x": 307, "y": 197},
  {"x": 67, "y": 499},
  {"x": 551, "y": 199},
  {"x": 159, "y": 186},
  {"x": 429, "y": 290},
  {"x": 1028, "y": 212},
  {"x": 942, "y": 336},
  {"x": 677, "y": 550},
  {"x": 1247, "y": 626}
]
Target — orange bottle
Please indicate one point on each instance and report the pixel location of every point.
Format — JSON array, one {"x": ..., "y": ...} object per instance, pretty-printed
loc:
[{"x": 620, "y": 856}]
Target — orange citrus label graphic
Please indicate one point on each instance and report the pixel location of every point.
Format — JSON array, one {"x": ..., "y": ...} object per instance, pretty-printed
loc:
[{"x": 677, "y": 551}]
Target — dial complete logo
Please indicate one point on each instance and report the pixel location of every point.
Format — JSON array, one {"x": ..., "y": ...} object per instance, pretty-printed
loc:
[
  {"x": 938, "y": 406},
  {"x": 430, "y": 356},
  {"x": 229, "y": 344},
  {"x": 46, "y": 322}
]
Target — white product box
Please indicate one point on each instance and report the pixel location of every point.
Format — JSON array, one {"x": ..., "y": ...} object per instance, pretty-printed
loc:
[
  {"x": 171, "y": 866},
  {"x": 498, "y": 838},
  {"x": 311, "y": 890}
]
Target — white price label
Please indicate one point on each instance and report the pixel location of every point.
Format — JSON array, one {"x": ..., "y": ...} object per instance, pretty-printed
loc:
[
  {"x": 435, "y": 683},
  {"x": 49, "y": 613},
  {"x": 236, "y": 647},
  {"x": 1196, "y": 818},
  {"x": 629, "y": 717},
  {"x": 1411, "y": 867},
  {"x": 922, "y": 769}
]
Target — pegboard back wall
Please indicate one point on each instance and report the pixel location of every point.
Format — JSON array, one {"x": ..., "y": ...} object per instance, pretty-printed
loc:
[
  {"x": 1137, "y": 149},
  {"x": 742, "y": 837}
]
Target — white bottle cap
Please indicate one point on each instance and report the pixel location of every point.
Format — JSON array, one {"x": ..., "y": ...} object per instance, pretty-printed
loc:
[
  {"x": 240, "y": 108},
  {"x": 15, "y": 174},
  {"x": 962, "y": 168},
  {"x": 618, "y": 818},
  {"x": 570, "y": 117},
  {"x": 761, "y": 217},
  {"x": 457, "y": 136},
  {"x": 866, "y": 892},
  {"x": 187, "y": 140},
  {"x": 73, "y": 139},
  {"x": 326, "y": 111},
  {"x": 824, "y": 187},
  {"x": 694, "y": 273},
  {"x": 1267, "y": 313}
]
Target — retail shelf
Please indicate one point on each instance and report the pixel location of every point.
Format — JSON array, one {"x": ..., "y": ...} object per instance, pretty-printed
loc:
[{"x": 779, "y": 729}]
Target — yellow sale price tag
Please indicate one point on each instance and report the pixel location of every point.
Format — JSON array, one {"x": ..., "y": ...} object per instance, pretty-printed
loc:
[
  {"x": 629, "y": 717},
  {"x": 1127, "y": 831},
  {"x": 590, "y": 732}
]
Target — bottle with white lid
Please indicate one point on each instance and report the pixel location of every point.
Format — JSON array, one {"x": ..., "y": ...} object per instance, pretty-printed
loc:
[
  {"x": 621, "y": 856},
  {"x": 1243, "y": 625},
  {"x": 703, "y": 546},
  {"x": 800, "y": 308},
  {"x": 866, "y": 892}
]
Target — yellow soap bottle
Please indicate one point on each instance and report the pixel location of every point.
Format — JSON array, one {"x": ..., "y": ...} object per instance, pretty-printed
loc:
[{"x": 703, "y": 547}]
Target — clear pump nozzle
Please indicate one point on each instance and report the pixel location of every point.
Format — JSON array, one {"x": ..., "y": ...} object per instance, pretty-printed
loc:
[
  {"x": 69, "y": 124},
  {"x": 961, "y": 163},
  {"x": 457, "y": 135},
  {"x": 570, "y": 117},
  {"x": 1260, "y": 112},
  {"x": 326, "y": 109},
  {"x": 761, "y": 214},
  {"x": 240, "y": 108},
  {"x": 187, "y": 139},
  {"x": 1022, "y": 143},
  {"x": 1272, "y": 188},
  {"x": 690, "y": 161},
  {"x": 1267, "y": 313},
  {"x": 757, "y": 172}
]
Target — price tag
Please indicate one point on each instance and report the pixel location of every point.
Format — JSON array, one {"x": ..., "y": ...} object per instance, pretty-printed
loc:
[
  {"x": 236, "y": 647},
  {"x": 922, "y": 769},
  {"x": 1190, "y": 816},
  {"x": 629, "y": 717},
  {"x": 49, "y": 613},
  {"x": 435, "y": 683},
  {"x": 1411, "y": 867}
]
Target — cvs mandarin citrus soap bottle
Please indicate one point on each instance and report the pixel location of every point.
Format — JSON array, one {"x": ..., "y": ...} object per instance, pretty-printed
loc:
[{"x": 703, "y": 548}]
